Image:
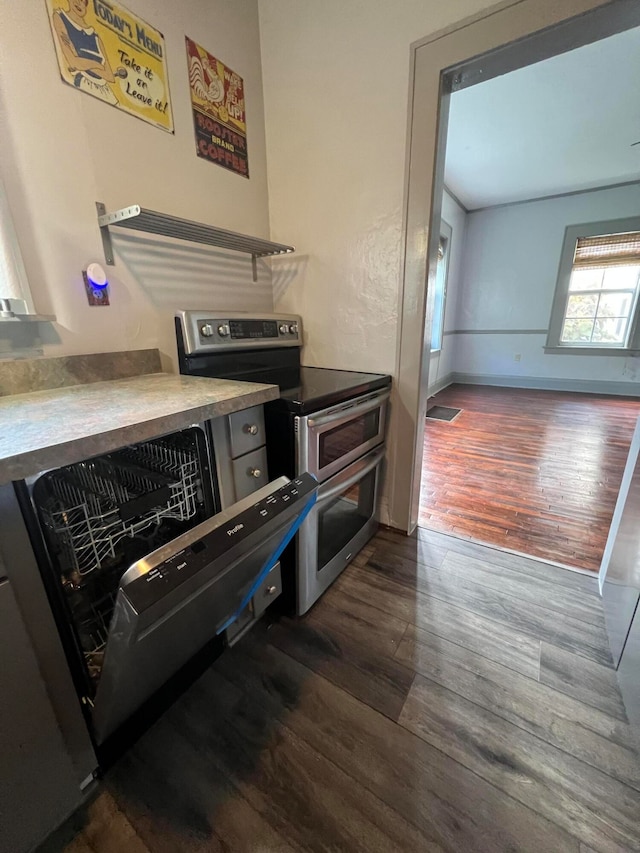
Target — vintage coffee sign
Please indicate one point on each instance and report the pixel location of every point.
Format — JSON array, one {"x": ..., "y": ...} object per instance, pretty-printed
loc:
[{"x": 217, "y": 102}]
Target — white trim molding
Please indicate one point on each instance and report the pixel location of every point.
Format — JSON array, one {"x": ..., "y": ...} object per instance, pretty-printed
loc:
[{"x": 546, "y": 383}]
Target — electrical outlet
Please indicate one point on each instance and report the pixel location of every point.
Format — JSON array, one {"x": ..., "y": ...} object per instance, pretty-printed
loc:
[
  {"x": 517, "y": 356},
  {"x": 95, "y": 295}
]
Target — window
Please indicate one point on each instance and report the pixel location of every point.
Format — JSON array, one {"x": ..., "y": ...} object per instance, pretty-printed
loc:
[
  {"x": 596, "y": 304},
  {"x": 13, "y": 279},
  {"x": 440, "y": 288}
]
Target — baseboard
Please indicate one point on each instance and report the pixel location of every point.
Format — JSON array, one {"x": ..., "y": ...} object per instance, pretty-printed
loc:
[
  {"x": 441, "y": 384},
  {"x": 545, "y": 383}
]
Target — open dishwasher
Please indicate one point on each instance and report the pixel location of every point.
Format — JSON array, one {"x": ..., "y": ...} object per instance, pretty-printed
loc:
[{"x": 141, "y": 572}]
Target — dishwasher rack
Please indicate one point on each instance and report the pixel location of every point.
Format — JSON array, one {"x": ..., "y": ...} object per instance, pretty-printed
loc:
[
  {"x": 93, "y": 631},
  {"x": 91, "y": 506}
]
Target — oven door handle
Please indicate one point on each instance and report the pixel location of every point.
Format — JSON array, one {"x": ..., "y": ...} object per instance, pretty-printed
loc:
[
  {"x": 350, "y": 481},
  {"x": 348, "y": 412}
]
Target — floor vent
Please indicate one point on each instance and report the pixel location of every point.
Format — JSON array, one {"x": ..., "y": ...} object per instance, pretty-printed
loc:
[{"x": 442, "y": 413}]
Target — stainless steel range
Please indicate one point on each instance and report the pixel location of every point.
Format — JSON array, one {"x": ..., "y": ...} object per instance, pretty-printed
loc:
[{"x": 330, "y": 423}]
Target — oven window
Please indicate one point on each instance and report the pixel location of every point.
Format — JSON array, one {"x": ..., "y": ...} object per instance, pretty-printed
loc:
[
  {"x": 342, "y": 517},
  {"x": 337, "y": 442}
]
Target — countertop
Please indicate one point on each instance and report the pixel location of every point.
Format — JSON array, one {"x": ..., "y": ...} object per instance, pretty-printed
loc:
[{"x": 47, "y": 429}]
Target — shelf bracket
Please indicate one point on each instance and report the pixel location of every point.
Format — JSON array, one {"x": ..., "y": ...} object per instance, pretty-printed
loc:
[
  {"x": 106, "y": 219},
  {"x": 107, "y": 245},
  {"x": 254, "y": 266}
]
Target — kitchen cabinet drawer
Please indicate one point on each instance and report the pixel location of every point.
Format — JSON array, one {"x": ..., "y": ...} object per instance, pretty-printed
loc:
[
  {"x": 246, "y": 431},
  {"x": 241, "y": 626},
  {"x": 268, "y": 591},
  {"x": 250, "y": 473}
]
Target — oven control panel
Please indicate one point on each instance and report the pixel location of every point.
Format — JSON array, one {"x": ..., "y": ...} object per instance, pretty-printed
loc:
[{"x": 205, "y": 332}]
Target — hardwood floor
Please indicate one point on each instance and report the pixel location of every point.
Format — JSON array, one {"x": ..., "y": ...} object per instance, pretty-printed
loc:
[
  {"x": 537, "y": 472},
  {"x": 415, "y": 708}
]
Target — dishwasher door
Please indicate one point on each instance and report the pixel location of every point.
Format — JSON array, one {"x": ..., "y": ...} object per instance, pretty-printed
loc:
[{"x": 171, "y": 603}]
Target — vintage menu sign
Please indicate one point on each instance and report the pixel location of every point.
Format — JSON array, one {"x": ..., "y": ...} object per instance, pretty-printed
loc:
[
  {"x": 106, "y": 51},
  {"x": 217, "y": 101}
]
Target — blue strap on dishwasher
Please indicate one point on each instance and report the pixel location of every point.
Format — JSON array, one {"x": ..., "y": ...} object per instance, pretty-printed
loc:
[{"x": 270, "y": 563}]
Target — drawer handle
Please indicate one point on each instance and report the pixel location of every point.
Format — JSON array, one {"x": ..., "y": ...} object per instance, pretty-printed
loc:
[
  {"x": 251, "y": 429},
  {"x": 270, "y": 590},
  {"x": 254, "y": 472}
]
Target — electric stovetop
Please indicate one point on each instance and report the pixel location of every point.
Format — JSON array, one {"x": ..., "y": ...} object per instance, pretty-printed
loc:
[
  {"x": 265, "y": 348},
  {"x": 319, "y": 387}
]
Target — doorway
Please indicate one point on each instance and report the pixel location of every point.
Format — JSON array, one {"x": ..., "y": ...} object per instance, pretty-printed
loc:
[
  {"x": 440, "y": 64},
  {"x": 530, "y": 465}
]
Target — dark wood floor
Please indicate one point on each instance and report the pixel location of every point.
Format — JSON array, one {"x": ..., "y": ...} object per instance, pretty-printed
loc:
[
  {"x": 441, "y": 696},
  {"x": 537, "y": 472}
]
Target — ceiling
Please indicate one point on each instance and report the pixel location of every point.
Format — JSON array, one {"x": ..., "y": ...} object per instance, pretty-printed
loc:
[{"x": 561, "y": 125}]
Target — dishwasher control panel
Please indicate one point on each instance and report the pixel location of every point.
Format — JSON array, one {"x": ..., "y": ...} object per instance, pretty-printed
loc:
[{"x": 147, "y": 581}]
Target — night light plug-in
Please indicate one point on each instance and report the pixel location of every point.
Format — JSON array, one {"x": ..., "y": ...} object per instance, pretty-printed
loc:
[{"x": 96, "y": 284}]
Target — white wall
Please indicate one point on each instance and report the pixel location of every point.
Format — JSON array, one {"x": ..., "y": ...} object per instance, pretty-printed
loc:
[
  {"x": 441, "y": 364},
  {"x": 336, "y": 78},
  {"x": 511, "y": 262},
  {"x": 62, "y": 151}
]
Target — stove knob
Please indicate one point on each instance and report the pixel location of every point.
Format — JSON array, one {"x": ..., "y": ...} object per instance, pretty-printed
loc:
[
  {"x": 206, "y": 330},
  {"x": 293, "y": 328},
  {"x": 223, "y": 330},
  {"x": 284, "y": 329}
]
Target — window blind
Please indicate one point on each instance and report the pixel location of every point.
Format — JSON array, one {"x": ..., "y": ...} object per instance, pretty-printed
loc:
[{"x": 608, "y": 250}]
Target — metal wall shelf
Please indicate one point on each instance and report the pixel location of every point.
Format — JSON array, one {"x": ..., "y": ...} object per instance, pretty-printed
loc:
[{"x": 140, "y": 219}]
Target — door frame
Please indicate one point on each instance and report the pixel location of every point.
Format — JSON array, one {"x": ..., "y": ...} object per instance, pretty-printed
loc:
[{"x": 511, "y": 35}]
